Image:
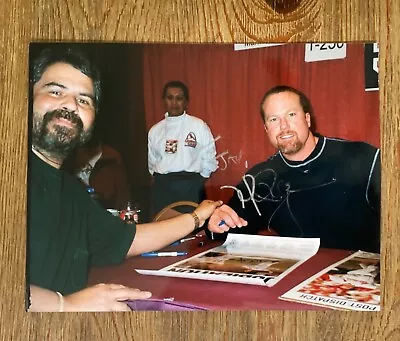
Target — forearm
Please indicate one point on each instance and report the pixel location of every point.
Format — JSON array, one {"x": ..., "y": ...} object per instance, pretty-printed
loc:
[
  {"x": 156, "y": 235},
  {"x": 43, "y": 299},
  {"x": 101, "y": 297}
]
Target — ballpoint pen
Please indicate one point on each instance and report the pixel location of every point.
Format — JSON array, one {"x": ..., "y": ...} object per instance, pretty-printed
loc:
[
  {"x": 222, "y": 222},
  {"x": 164, "y": 254},
  {"x": 182, "y": 241}
]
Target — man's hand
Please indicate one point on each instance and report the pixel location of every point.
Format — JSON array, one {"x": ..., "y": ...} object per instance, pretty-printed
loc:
[
  {"x": 205, "y": 209},
  {"x": 103, "y": 297},
  {"x": 225, "y": 218}
]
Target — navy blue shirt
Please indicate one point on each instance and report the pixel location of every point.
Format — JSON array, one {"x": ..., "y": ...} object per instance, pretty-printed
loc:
[{"x": 333, "y": 195}]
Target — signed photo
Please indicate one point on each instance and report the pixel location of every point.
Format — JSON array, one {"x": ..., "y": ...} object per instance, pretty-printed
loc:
[{"x": 287, "y": 136}]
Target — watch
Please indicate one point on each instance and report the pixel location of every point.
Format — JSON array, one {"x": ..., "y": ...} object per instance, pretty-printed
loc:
[{"x": 196, "y": 220}]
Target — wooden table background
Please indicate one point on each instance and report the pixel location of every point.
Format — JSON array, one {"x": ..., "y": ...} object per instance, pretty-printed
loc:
[{"x": 23, "y": 21}]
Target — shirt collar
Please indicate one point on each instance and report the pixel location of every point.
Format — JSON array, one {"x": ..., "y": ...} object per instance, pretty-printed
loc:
[
  {"x": 313, "y": 156},
  {"x": 175, "y": 118}
]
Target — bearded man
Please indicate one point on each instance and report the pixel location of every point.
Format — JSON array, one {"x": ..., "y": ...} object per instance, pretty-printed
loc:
[
  {"x": 68, "y": 232},
  {"x": 314, "y": 186}
]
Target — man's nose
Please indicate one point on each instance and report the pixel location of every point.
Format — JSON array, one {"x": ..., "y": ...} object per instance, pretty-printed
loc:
[
  {"x": 69, "y": 103},
  {"x": 283, "y": 123}
]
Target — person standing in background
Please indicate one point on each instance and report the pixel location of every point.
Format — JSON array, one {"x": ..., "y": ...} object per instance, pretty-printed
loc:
[{"x": 181, "y": 151}]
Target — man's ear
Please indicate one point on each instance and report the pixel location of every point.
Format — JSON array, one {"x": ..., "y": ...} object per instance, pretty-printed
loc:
[{"x": 308, "y": 119}]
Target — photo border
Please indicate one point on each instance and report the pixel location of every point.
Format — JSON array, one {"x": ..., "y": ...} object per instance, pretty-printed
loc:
[{"x": 358, "y": 21}]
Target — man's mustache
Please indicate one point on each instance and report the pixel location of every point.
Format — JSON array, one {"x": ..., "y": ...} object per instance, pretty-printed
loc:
[
  {"x": 68, "y": 115},
  {"x": 287, "y": 132}
]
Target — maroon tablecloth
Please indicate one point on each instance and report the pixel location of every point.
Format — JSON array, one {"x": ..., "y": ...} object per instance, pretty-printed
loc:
[{"x": 210, "y": 294}]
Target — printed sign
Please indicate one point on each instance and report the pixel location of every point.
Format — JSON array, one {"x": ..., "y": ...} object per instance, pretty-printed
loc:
[
  {"x": 315, "y": 52},
  {"x": 371, "y": 56}
]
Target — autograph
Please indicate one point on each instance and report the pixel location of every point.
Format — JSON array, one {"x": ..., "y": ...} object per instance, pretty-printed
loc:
[
  {"x": 226, "y": 157},
  {"x": 231, "y": 158},
  {"x": 275, "y": 191},
  {"x": 249, "y": 182}
]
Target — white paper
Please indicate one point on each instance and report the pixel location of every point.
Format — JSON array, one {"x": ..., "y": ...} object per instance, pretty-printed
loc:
[
  {"x": 248, "y": 46},
  {"x": 246, "y": 259},
  {"x": 324, "y": 51}
]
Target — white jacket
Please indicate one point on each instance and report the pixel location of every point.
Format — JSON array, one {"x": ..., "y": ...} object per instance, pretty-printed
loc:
[{"x": 181, "y": 143}]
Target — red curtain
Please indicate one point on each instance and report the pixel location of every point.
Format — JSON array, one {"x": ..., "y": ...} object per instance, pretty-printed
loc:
[{"x": 226, "y": 87}]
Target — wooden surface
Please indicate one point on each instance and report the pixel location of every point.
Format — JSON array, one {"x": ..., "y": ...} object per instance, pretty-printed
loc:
[{"x": 23, "y": 21}]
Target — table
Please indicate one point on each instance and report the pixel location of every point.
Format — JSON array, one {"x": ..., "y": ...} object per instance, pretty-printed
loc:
[{"x": 212, "y": 295}]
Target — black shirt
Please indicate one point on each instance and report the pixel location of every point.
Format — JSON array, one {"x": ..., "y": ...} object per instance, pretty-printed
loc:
[
  {"x": 68, "y": 231},
  {"x": 334, "y": 195}
]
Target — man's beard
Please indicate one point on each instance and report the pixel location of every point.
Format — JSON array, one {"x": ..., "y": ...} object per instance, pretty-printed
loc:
[
  {"x": 58, "y": 140},
  {"x": 290, "y": 147}
]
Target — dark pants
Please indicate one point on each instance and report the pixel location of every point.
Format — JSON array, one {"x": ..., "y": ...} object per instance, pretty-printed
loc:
[{"x": 172, "y": 187}]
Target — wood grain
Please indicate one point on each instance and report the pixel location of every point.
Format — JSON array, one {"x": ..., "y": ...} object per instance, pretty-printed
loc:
[{"x": 190, "y": 21}]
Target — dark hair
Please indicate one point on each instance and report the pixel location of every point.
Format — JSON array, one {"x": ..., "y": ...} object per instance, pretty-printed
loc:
[
  {"x": 304, "y": 101},
  {"x": 176, "y": 84},
  {"x": 73, "y": 56}
]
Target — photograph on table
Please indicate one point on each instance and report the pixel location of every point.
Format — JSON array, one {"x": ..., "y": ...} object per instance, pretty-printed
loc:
[
  {"x": 223, "y": 262},
  {"x": 287, "y": 136},
  {"x": 351, "y": 284},
  {"x": 246, "y": 259}
]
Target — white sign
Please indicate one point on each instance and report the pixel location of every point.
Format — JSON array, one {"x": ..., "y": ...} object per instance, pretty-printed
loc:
[
  {"x": 324, "y": 51},
  {"x": 248, "y": 46}
]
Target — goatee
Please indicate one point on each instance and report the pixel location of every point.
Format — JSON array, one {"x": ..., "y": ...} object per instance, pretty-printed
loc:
[
  {"x": 58, "y": 140},
  {"x": 291, "y": 146}
]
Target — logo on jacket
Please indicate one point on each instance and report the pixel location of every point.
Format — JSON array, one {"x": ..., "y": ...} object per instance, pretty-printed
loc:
[
  {"x": 171, "y": 146},
  {"x": 190, "y": 140}
]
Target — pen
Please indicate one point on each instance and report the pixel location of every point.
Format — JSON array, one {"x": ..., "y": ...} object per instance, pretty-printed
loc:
[
  {"x": 222, "y": 222},
  {"x": 164, "y": 254},
  {"x": 182, "y": 241}
]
